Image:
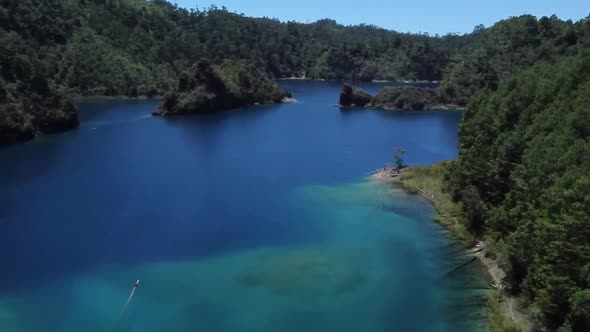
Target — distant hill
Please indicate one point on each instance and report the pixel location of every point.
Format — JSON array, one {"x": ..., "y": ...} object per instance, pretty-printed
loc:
[
  {"x": 139, "y": 47},
  {"x": 510, "y": 46},
  {"x": 128, "y": 47}
]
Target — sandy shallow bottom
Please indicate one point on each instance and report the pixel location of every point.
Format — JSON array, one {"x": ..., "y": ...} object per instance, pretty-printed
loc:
[{"x": 374, "y": 264}]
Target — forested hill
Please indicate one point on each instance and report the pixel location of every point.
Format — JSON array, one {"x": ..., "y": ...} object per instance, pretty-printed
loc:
[
  {"x": 508, "y": 46},
  {"x": 523, "y": 176},
  {"x": 139, "y": 47},
  {"x": 523, "y": 165},
  {"x": 209, "y": 88},
  {"x": 128, "y": 47}
]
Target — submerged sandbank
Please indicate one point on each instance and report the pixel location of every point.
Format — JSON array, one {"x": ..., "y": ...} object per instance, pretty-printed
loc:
[{"x": 429, "y": 186}]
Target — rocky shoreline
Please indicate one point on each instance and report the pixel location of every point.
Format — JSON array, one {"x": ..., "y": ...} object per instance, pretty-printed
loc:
[
  {"x": 388, "y": 174},
  {"x": 509, "y": 306}
]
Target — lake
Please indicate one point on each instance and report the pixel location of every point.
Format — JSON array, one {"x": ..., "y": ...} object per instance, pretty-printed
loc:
[{"x": 257, "y": 219}]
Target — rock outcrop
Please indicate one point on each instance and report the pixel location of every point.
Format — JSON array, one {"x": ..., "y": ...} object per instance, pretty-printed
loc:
[
  {"x": 351, "y": 96},
  {"x": 208, "y": 88}
]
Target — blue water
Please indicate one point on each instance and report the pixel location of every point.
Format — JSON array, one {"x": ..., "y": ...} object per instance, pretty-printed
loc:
[{"x": 258, "y": 219}]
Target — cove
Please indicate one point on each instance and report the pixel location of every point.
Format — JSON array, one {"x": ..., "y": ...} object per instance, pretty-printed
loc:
[{"x": 258, "y": 219}]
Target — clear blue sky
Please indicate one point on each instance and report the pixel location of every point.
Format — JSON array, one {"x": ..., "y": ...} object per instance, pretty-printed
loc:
[{"x": 432, "y": 16}]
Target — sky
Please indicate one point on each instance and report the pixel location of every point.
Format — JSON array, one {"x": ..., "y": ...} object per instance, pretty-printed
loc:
[{"x": 432, "y": 16}]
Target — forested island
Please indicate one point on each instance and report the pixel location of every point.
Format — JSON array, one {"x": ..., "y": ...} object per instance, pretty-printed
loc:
[
  {"x": 520, "y": 181},
  {"x": 406, "y": 98},
  {"x": 206, "y": 87}
]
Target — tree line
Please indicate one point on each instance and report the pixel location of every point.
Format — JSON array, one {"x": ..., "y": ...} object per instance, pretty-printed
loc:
[
  {"x": 522, "y": 175},
  {"x": 120, "y": 47},
  {"x": 53, "y": 49}
]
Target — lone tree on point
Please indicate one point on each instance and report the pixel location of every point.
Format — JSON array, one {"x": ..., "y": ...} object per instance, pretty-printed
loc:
[{"x": 397, "y": 157}]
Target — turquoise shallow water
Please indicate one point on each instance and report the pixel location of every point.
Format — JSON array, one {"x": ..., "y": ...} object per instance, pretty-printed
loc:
[{"x": 254, "y": 220}]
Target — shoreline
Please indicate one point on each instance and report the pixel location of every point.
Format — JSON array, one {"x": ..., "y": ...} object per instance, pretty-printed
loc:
[
  {"x": 436, "y": 108},
  {"x": 398, "y": 81},
  {"x": 433, "y": 108},
  {"x": 506, "y": 306},
  {"x": 80, "y": 98},
  {"x": 392, "y": 175}
]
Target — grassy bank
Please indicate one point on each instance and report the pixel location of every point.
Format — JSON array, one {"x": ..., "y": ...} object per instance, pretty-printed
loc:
[
  {"x": 497, "y": 318},
  {"x": 427, "y": 181}
]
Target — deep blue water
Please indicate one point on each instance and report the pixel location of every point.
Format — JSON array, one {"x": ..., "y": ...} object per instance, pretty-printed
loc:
[{"x": 258, "y": 219}]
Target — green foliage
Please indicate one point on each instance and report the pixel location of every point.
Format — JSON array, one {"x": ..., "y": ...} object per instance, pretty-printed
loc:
[
  {"x": 252, "y": 84},
  {"x": 149, "y": 43},
  {"x": 29, "y": 104},
  {"x": 497, "y": 322},
  {"x": 206, "y": 87},
  {"x": 580, "y": 312},
  {"x": 398, "y": 154},
  {"x": 406, "y": 98},
  {"x": 428, "y": 181},
  {"x": 522, "y": 176},
  {"x": 92, "y": 66},
  {"x": 508, "y": 46}
]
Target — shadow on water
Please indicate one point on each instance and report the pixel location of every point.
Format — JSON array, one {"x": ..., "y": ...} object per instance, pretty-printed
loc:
[
  {"x": 14, "y": 172},
  {"x": 205, "y": 130},
  {"x": 94, "y": 112}
]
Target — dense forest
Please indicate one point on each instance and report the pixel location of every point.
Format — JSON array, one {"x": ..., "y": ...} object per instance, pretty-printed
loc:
[
  {"x": 128, "y": 47},
  {"x": 508, "y": 46},
  {"x": 522, "y": 172},
  {"x": 523, "y": 178},
  {"x": 207, "y": 87},
  {"x": 30, "y": 103}
]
